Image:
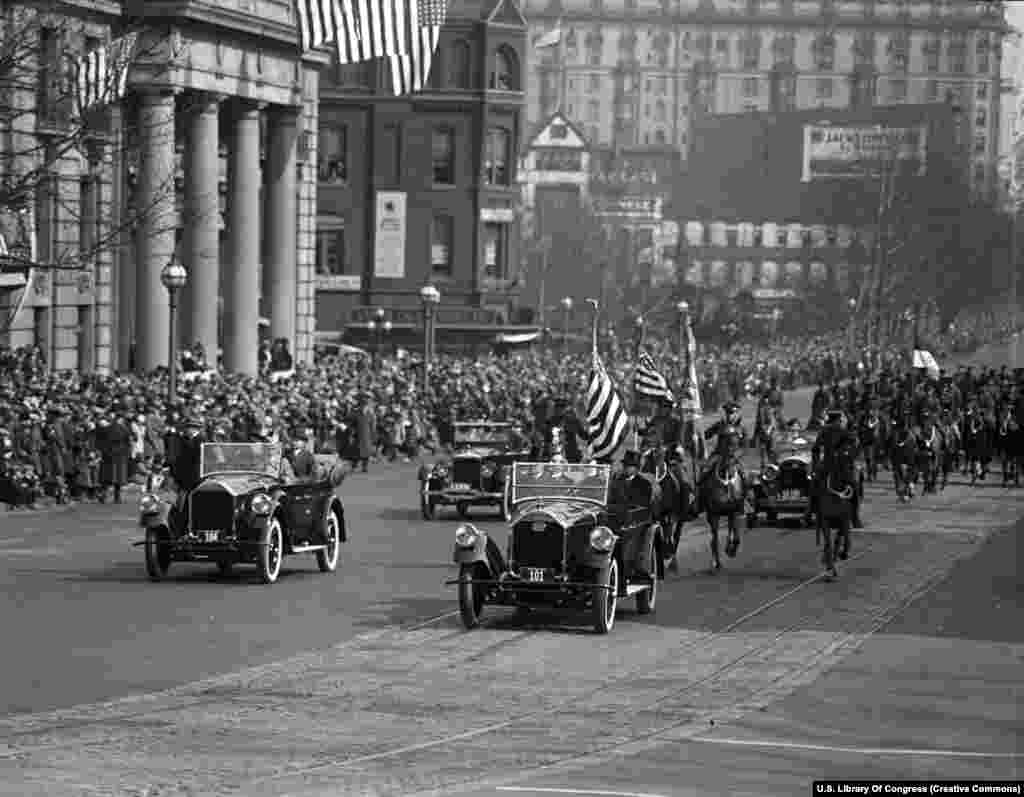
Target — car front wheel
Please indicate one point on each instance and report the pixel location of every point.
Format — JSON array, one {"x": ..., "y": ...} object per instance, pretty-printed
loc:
[
  {"x": 327, "y": 558},
  {"x": 271, "y": 552},
  {"x": 427, "y": 505},
  {"x": 158, "y": 555},
  {"x": 606, "y": 600},
  {"x": 471, "y": 597}
]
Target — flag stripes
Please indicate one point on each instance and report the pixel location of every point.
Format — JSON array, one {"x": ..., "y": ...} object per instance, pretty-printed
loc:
[
  {"x": 410, "y": 73},
  {"x": 649, "y": 382},
  {"x": 317, "y": 22},
  {"x": 101, "y": 76},
  {"x": 606, "y": 417}
]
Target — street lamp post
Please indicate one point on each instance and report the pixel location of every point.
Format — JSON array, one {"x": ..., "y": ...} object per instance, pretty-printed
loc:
[
  {"x": 776, "y": 317},
  {"x": 386, "y": 333},
  {"x": 638, "y": 338},
  {"x": 566, "y": 310},
  {"x": 173, "y": 277},
  {"x": 851, "y": 330},
  {"x": 377, "y": 327},
  {"x": 430, "y": 296}
]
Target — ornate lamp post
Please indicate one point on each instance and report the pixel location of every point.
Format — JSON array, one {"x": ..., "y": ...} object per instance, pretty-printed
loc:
[
  {"x": 385, "y": 332},
  {"x": 566, "y": 310},
  {"x": 173, "y": 277},
  {"x": 430, "y": 296},
  {"x": 776, "y": 317}
]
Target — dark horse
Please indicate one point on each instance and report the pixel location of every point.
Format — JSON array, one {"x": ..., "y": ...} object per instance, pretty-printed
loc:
[
  {"x": 836, "y": 504},
  {"x": 930, "y": 449},
  {"x": 903, "y": 455},
  {"x": 723, "y": 493},
  {"x": 676, "y": 505}
]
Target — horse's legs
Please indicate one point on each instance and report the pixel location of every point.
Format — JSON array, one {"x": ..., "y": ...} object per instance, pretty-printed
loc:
[
  {"x": 716, "y": 561},
  {"x": 732, "y": 545},
  {"x": 844, "y": 533}
]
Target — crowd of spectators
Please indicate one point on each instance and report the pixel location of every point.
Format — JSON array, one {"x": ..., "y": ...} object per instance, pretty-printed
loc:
[{"x": 85, "y": 436}]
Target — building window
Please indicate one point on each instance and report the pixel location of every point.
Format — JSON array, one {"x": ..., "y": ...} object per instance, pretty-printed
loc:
[
  {"x": 441, "y": 238},
  {"x": 87, "y": 206},
  {"x": 981, "y": 118},
  {"x": 46, "y": 220},
  {"x": 659, "y": 137},
  {"x": 331, "y": 251},
  {"x": 661, "y": 85},
  {"x": 594, "y": 111},
  {"x": 504, "y": 70},
  {"x": 660, "y": 111},
  {"x": 496, "y": 163},
  {"x": 443, "y": 155},
  {"x": 594, "y": 83},
  {"x": 495, "y": 251},
  {"x": 980, "y": 144},
  {"x": 824, "y": 88},
  {"x": 41, "y": 329},
  {"x": 979, "y": 173},
  {"x": 458, "y": 65},
  {"x": 332, "y": 153},
  {"x": 751, "y": 87}
]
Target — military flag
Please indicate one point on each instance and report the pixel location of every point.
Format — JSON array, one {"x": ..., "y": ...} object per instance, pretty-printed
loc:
[{"x": 649, "y": 382}]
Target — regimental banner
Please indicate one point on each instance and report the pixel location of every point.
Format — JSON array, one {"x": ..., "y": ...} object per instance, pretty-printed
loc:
[
  {"x": 832, "y": 151},
  {"x": 389, "y": 236}
]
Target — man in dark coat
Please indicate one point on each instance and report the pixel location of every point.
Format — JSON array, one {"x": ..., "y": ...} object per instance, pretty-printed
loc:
[
  {"x": 116, "y": 452},
  {"x": 630, "y": 490}
]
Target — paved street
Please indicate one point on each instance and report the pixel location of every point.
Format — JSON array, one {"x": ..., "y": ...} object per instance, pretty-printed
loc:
[{"x": 754, "y": 681}]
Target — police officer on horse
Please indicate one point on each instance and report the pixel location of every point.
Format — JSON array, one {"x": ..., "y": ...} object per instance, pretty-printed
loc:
[{"x": 835, "y": 438}]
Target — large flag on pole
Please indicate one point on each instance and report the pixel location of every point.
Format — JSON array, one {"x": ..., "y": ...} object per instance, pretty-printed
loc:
[
  {"x": 689, "y": 401},
  {"x": 649, "y": 382},
  {"x": 101, "y": 75},
  {"x": 606, "y": 417},
  {"x": 410, "y": 70}
]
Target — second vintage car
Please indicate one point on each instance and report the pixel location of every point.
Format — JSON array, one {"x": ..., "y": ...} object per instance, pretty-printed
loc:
[
  {"x": 242, "y": 512},
  {"x": 566, "y": 548},
  {"x": 477, "y": 472}
]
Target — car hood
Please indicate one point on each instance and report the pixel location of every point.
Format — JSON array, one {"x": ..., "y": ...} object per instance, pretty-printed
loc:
[
  {"x": 564, "y": 513},
  {"x": 801, "y": 457},
  {"x": 236, "y": 483},
  {"x": 476, "y": 453}
]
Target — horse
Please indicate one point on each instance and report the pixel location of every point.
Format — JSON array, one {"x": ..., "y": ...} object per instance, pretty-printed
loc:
[
  {"x": 1008, "y": 445},
  {"x": 977, "y": 446},
  {"x": 950, "y": 449},
  {"x": 871, "y": 441},
  {"x": 676, "y": 504},
  {"x": 930, "y": 446},
  {"x": 836, "y": 495},
  {"x": 764, "y": 432},
  {"x": 723, "y": 493},
  {"x": 904, "y": 458}
]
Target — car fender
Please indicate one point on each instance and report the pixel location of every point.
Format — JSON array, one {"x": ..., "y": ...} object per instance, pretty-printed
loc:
[
  {"x": 600, "y": 560},
  {"x": 485, "y": 552}
]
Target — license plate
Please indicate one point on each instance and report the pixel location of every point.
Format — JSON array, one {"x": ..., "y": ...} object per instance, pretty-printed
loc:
[
  {"x": 460, "y": 486},
  {"x": 535, "y": 574},
  {"x": 209, "y": 536}
]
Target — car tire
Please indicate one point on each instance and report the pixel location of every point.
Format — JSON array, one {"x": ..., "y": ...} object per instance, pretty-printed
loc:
[
  {"x": 471, "y": 597},
  {"x": 606, "y": 601},
  {"x": 158, "y": 555},
  {"x": 327, "y": 558},
  {"x": 427, "y": 506},
  {"x": 648, "y": 598},
  {"x": 271, "y": 552}
]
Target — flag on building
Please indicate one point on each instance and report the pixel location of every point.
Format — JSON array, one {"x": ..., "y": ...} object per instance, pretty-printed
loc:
[
  {"x": 924, "y": 359},
  {"x": 410, "y": 70},
  {"x": 551, "y": 38},
  {"x": 318, "y": 22},
  {"x": 606, "y": 417},
  {"x": 101, "y": 75},
  {"x": 649, "y": 382}
]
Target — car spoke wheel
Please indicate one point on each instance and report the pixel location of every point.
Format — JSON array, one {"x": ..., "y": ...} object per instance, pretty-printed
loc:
[
  {"x": 158, "y": 556},
  {"x": 606, "y": 601},
  {"x": 327, "y": 559},
  {"x": 646, "y": 600},
  {"x": 471, "y": 598},
  {"x": 427, "y": 505},
  {"x": 271, "y": 552}
]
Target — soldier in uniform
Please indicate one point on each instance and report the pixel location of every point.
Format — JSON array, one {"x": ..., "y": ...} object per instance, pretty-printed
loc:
[
  {"x": 730, "y": 436},
  {"x": 832, "y": 439}
]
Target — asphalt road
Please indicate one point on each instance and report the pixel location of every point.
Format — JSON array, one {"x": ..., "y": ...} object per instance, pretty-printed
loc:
[{"x": 754, "y": 681}]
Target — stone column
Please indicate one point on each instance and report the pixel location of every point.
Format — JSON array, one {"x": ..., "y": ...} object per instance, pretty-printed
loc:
[
  {"x": 241, "y": 278},
  {"x": 279, "y": 270},
  {"x": 202, "y": 217},
  {"x": 156, "y": 227}
]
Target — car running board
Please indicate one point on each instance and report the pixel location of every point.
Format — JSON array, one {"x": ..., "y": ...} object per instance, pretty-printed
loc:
[{"x": 307, "y": 548}]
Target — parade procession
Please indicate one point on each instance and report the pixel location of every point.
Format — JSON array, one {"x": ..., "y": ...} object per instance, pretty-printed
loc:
[{"x": 490, "y": 397}]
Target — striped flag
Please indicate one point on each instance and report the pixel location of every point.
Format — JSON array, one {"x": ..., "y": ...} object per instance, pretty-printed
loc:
[
  {"x": 317, "y": 22},
  {"x": 101, "y": 76},
  {"x": 689, "y": 402},
  {"x": 606, "y": 417},
  {"x": 410, "y": 70},
  {"x": 648, "y": 380}
]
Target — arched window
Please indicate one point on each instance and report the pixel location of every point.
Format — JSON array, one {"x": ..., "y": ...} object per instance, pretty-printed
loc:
[
  {"x": 458, "y": 65},
  {"x": 504, "y": 70}
]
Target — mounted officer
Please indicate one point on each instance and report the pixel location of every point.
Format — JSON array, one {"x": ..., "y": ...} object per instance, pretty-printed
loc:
[
  {"x": 730, "y": 436},
  {"x": 832, "y": 440}
]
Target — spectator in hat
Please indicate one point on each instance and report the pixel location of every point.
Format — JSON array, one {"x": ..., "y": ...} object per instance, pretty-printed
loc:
[{"x": 115, "y": 446}]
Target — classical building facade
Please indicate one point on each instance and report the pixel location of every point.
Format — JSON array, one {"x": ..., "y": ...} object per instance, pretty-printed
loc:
[
  {"x": 635, "y": 72},
  {"x": 210, "y": 160},
  {"x": 423, "y": 188}
]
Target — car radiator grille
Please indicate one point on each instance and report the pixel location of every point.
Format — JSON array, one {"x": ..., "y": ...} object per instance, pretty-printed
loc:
[
  {"x": 793, "y": 477},
  {"x": 538, "y": 548},
  {"x": 466, "y": 472},
  {"x": 213, "y": 511}
]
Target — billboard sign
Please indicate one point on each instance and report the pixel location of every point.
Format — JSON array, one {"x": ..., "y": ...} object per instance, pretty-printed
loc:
[{"x": 858, "y": 151}]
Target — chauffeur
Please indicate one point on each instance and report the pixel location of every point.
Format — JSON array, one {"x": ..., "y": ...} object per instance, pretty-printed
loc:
[{"x": 630, "y": 490}]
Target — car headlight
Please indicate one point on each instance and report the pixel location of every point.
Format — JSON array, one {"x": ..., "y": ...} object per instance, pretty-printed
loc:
[
  {"x": 440, "y": 471},
  {"x": 770, "y": 473},
  {"x": 487, "y": 470},
  {"x": 261, "y": 504},
  {"x": 466, "y": 536},
  {"x": 602, "y": 539},
  {"x": 149, "y": 504}
]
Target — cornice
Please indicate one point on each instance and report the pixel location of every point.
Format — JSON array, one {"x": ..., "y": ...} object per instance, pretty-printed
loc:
[{"x": 179, "y": 12}]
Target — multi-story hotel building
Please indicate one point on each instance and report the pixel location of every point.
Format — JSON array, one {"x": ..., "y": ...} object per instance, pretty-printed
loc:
[{"x": 640, "y": 72}]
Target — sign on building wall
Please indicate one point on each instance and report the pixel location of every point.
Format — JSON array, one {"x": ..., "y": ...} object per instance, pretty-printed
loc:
[
  {"x": 389, "y": 239},
  {"x": 832, "y": 151},
  {"x": 348, "y": 283}
]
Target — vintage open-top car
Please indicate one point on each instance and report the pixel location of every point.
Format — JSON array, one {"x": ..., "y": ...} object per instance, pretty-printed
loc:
[
  {"x": 783, "y": 487},
  {"x": 477, "y": 473},
  {"x": 567, "y": 548},
  {"x": 242, "y": 511}
]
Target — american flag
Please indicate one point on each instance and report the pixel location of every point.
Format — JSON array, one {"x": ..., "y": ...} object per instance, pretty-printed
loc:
[
  {"x": 317, "y": 22},
  {"x": 101, "y": 76},
  {"x": 648, "y": 380},
  {"x": 411, "y": 70},
  {"x": 363, "y": 29},
  {"x": 606, "y": 417}
]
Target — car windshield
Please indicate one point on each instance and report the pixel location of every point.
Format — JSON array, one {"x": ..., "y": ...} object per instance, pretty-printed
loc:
[
  {"x": 476, "y": 434},
  {"x": 560, "y": 480},
  {"x": 240, "y": 458}
]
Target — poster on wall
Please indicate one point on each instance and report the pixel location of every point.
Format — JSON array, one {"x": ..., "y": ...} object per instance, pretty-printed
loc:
[
  {"x": 389, "y": 238},
  {"x": 832, "y": 151}
]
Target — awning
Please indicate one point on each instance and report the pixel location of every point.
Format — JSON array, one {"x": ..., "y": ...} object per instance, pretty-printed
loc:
[
  {"x": 12, "y": 279},
  {"x": 523, "y": 337}
]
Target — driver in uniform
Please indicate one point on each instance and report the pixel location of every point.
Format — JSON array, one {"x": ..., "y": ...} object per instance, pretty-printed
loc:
[
  {"x": 833, "y": 438},
  {"x": 630, "y": 490}
]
